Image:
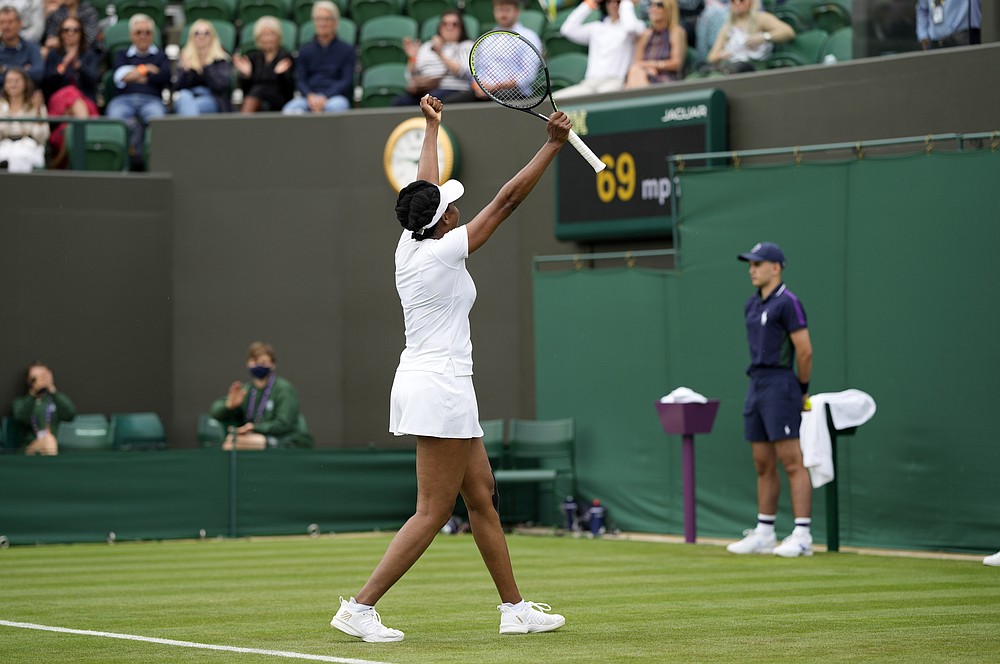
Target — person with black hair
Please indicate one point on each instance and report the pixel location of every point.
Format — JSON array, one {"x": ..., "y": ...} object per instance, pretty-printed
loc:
[
  {"x": 40, "y": 411},
  {"x": 432, "y": 394}
]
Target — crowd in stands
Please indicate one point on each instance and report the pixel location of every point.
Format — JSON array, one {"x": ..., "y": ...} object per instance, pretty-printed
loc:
[{"x": 79, "y": 59}]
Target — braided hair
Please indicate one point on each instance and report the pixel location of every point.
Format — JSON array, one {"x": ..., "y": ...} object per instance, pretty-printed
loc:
[{"x": 415, "y": 208}]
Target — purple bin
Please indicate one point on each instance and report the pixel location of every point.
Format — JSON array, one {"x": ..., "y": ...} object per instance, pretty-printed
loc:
[{"x": 687, "y": 418}]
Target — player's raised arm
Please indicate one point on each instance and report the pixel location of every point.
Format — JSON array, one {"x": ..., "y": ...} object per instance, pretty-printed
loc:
[{"x": 427, "y": 167}]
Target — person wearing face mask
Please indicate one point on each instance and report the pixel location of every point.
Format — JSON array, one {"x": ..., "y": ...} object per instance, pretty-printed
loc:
[
  {"x": 40, "y": 411},
  {"x": 263, "y": 413}
]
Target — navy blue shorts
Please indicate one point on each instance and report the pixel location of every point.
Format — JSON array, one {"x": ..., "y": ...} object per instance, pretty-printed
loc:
[{"x": 773, "y": 407}]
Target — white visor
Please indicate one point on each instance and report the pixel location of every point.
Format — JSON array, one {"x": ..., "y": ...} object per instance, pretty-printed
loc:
[{"x": 450, "y": 191}]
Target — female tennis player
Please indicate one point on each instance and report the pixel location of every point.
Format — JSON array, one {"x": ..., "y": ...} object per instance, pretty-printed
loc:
[{"x": 432, "y": 394}]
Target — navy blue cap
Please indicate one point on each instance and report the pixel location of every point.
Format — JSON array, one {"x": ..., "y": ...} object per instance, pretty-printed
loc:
[{"x": 765, "y": 251}]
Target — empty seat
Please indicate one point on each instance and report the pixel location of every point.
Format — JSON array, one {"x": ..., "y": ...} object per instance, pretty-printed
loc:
[
  {"x": 805, "y": 49},
  {"x": 211, "y": 10},
  {"x": 154, "y": 9},
  {"x": 210, "y": 433},
  {"x": 567, "y": 69},
  {"x": 381, "y": 39},
  {"x": 105, "y": 145},
  {"x": 380, "y": 84},
  {"x": 840, "y": 45},
  {"x": 85, "y": 432},
  {"x": 363, "y": 11},
  {"x": 832, "y": 15},
  {"x": 138, "y": 431},
  {"x": 421, "y": 10},
  {"x": 248, "y": 11}
]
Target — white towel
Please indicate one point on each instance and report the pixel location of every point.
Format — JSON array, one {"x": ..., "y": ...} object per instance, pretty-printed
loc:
[
  {"x": 684, "y": 395},
  {"x": 849, "y": 408}
]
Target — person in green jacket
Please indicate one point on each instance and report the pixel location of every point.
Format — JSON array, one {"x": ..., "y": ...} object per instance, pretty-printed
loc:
[
  {"x": 263, "y": 413},
  {"x": 40, "y": 411}
]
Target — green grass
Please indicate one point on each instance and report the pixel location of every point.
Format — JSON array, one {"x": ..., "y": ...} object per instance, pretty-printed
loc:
[{"x": 623, "y": 600}]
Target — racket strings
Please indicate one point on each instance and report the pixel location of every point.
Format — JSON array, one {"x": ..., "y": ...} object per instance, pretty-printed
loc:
[{"x": 509, "y": 70}]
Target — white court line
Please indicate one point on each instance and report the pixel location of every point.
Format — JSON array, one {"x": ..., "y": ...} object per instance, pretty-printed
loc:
[{"x": 189, "y": 644}]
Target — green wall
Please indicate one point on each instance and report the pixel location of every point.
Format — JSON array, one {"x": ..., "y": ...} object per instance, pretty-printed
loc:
[{"x": 894, "y": 260}]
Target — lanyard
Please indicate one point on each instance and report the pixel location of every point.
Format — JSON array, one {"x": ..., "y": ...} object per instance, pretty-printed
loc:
[
  {"x": 50, "y": 407},
  {"x": 261, "y": 406}
]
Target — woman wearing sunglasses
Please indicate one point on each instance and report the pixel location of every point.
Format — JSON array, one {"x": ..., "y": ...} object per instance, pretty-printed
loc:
[
  {"x": 203, "y": 73},
  {"x": 72, "y": 70},
  {"x": 439, "y": 66},
  {"x": 748, "y": 37},
  {"x": 661, "y": 50}
]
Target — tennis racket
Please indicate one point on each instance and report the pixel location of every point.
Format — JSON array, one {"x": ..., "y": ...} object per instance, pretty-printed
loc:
[{"x": 513, "y": 74}]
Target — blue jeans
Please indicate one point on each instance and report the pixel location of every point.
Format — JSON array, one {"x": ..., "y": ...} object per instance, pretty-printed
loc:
[
  {"x": 136, "y": 110},
  {"x": 300, "y": 105},
  {"x": 195, "y": 101}
]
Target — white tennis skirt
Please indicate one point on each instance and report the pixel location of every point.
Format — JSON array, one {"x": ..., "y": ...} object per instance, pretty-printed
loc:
[{"x": 424, "y": 403}]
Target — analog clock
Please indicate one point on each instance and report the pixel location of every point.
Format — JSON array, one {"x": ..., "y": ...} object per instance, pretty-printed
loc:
[{"x": 402, "y": 152}]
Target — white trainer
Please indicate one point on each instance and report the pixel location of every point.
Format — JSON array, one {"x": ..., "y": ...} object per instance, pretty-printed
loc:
[
  {"x": 794, "y": 546},
  {"x": 532, "y": 618},
  {"x": 753, "y": 542},
  {"x": 366, "y": 625},
  {"x": 992, "y": 561}
]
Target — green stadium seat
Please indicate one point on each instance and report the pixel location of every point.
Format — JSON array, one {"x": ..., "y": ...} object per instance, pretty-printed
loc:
[
  {"x": 380, "y": 84},
  {"x": 363, "y": 11},
  {"x": 154, "y": 9},
  {"x": 211, "y": 10},
  {"x": 796, "y": 13},
  {"x": 832, "y": 15},
  {"x": 421, "y": 10},
  {"x": 288, "y": 35},
  {"x": 481, "y": 9},
  {"x": 493, "y": 441},
  {"x": 85, "y": 432},
  {"x": 566, "y": 70},
  {"x": 248, "y": 11},
  {"x": 225, "y": 29},
  {"x": 211, "y": 433},
  {"x": 381, "y": 39},
  {"x": 554, "y": 43},
  {"x": 116, "y": 38},
  {"x": 10, "y": 434},
  {"x": 137, "y": 431},
  {"x": 542, "y": 452},
  {"x": 347, "y": 32},
  {"x": 840, "y": 45},
  {"x": 805, "y": 49},
  {"x": 429, "y": 27},
  {"x": 106, "y": 146}
]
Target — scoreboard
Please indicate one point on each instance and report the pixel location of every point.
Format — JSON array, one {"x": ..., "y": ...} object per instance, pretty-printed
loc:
[{"x": 631, "y": 198}]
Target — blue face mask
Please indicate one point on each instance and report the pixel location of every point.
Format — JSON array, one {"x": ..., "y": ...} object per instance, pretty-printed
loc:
[{"x": 259, "y": 371}]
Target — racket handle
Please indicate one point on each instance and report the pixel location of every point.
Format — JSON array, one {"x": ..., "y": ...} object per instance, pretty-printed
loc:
[{"x": 587, "y": 153}]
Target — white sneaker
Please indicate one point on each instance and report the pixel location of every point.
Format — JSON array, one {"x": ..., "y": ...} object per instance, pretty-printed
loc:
[
  {"x": 992, "y": 561},
  {"x": 794, "y": 546},
  {"x": 366, "y": 625},
  {"x": 532, "y": 618},
  {"x": 753, "y": 542}
]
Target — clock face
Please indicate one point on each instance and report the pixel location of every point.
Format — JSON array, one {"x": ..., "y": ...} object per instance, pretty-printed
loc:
[{"x": 402, "y": 153}]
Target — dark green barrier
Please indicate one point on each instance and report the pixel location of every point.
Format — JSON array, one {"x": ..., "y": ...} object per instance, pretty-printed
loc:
[
  {"x": 176, "y": 494},
  {"x": 895, "y": 262}
]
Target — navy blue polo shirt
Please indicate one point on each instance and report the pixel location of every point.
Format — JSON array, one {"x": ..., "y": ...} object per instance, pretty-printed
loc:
[{"x": 770, "y": 323}]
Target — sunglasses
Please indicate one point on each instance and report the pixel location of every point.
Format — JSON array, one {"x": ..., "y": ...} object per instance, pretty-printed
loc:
[
  {"x": 143, "y": 32},
  {"x": 202, "y": 33},
  {"x": 657, "y": 4},
  {"x": 70, "y": 30}
]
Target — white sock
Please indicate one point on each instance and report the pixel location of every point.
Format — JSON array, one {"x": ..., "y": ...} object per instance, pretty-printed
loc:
[
  {"x": 357, "y": 606},
  {"x": 520, "y": 606},
  {"x": 765, "y": 524},
  {"x": 802, "y": 526}
]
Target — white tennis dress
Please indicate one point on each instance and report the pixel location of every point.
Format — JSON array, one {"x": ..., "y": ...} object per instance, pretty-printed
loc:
[{"x": 432, "y": 392}]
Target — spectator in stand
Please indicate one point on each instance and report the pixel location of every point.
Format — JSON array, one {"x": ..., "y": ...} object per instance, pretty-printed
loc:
[
  {"x": 707, "y": 26},
  {"x": 41, "y": 410},
  {"x": 610, "y": 41},
  {"x": 72, "y": 71},
  {"x": 32, "y": 13},
  {"x": 266, "y": 75},
  {"x": 507, "y": 14},
  {"x": 942, "y": 23},
  {"x": 440, "y": 66},
  {"x": 16, "y": 51},
  {"x": 87, "y": 17},
  {"x": 141, "y": 74},
  {"x": 263, "y": 413},
  {"x": 661, "y": 50},
  {"x": 203, "y": 73},
  {"x": 748, "y": 37},
  {"x": 324, "y": 70},
  {"x": 22, "y": 144}
]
